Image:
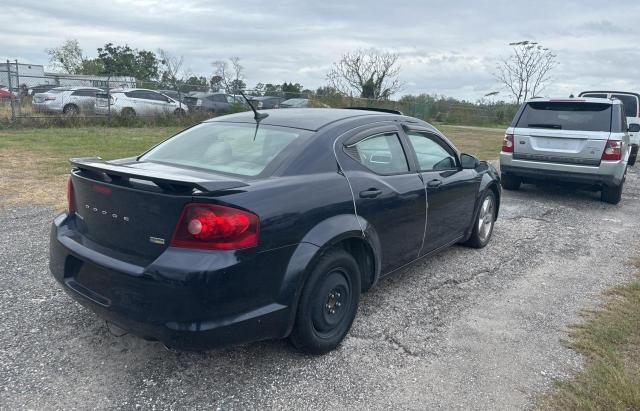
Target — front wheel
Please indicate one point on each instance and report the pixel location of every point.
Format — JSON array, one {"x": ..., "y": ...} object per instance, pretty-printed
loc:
[
  {"x": 328, "y": 303},
  {"x": 180, "y": 112},
  {"x": 484, "y": 222}
]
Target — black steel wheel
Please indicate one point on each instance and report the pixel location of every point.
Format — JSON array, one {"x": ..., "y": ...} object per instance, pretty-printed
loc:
[{"x": 328, "y": 303}]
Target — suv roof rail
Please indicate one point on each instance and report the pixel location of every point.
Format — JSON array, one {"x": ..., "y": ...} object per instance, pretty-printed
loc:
[{"x": 382, "y": 110}]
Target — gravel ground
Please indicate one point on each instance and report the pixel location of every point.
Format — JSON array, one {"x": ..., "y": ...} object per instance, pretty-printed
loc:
[{"x": 472, "y": 329}]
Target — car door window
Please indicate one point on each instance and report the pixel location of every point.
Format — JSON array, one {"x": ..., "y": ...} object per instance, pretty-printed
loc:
[
  {"x": 432, "y": 154},
  {"x": 382, "y": 154},
  {"x": 136, "y": 94},
  {"x": 84, "y": 93},
  {"x": 595, "y": 95}
]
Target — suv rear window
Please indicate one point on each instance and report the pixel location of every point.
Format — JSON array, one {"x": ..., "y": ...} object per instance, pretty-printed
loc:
[
  {"x": 560, "y": 115},
  {"x": 226, "y": 148}
]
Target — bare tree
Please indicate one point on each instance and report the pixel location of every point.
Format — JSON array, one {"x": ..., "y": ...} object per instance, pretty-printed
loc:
[
  {"x": 527, "y": 71},
  {"x": 230, "y": 73},
  {"x": 172, "y": 73},
  {"x": 67, "y": 57},
  {"x": 370, "y": 74}
]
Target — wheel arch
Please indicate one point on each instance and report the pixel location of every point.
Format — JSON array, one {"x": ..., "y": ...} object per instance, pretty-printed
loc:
[{"x": 342, "y": 231}]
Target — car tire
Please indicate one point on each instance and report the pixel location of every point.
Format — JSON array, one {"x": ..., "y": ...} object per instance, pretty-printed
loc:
[
  {"x": 180, "y": 112},
  {"x": 633, "y": 156},
  {"x": 128, "y": 112},
  {"x": 328, "y": 303},
  {"x": 484, "y": 222},
  {"x": 70, "y": 110},
  {"x": 612, "y": 194},
  {"x": 510, "y": 182}
]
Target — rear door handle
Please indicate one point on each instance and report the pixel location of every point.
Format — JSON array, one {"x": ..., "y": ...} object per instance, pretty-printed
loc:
[
  {"x": 434, "y": 183},
  {"x": 370, "y": 193}
]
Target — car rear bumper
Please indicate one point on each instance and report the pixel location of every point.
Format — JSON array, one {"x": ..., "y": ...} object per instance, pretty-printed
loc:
[
  {"x": 608, "y": 173},
  {"x": 174, "y": 299}
]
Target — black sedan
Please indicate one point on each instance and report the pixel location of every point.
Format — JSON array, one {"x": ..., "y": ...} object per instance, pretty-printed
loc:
[{"x": 239, "y": 230}]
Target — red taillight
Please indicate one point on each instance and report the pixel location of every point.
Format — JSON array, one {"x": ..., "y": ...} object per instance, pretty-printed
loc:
[
  {"x": 215, "y": 227},
  {"x": 612, "y": 151},
  {"x": 507, "y": 143},
  {"x": 71, "y": 198}
]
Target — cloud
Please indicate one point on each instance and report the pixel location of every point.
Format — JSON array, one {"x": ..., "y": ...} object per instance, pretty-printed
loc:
[{"x": 445, "y": 47}]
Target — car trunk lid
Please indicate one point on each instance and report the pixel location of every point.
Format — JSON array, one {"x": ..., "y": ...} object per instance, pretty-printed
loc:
[
  {"x": 559, "y": 146},
  {"x": 131, "y": 208},
  {"x": 563, "y": 131}
]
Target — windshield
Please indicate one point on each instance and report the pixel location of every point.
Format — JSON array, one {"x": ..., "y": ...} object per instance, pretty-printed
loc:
[
  {"x": 566, "y": 116},
  {"x": 226, "y": 148}
]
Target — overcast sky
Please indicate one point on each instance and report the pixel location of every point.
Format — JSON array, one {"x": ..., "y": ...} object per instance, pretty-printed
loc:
[{"x": 446, "y": 47}]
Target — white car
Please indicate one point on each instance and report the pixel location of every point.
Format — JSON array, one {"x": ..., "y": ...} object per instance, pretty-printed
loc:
[
  {"x": 138, "y": 102},
  {"x": 631, "y": 103}
]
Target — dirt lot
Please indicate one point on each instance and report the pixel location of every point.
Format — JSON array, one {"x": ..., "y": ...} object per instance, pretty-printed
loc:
[{"x": 469, "y": 329}]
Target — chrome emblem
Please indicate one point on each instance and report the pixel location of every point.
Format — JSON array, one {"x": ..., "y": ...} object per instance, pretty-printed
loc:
[{"x": 156, "y": 240}]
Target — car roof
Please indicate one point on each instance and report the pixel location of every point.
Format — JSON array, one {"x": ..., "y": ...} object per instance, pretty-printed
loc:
[
  {"x": 610, "y": 92},
  {"x": 574, "y": 100},
  {"x": 304, "y": 118}
]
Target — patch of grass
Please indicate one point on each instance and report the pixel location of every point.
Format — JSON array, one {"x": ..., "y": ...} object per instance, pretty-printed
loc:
[
  {"x": 610, "y": 341},
  {"x": 483, "y": 143},
  {"x": 34, "y": 162}
]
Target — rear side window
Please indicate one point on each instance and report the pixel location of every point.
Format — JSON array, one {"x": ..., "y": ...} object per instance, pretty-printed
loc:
[
  {"x": 226, "y": 148},
  {"x": 561, "y": 115},
  {"x": 85, "y": 92},
  {"x": 630, "y": 104},
  {"x": 382, "y": 154},
  {"x": 594, "y": 95}
]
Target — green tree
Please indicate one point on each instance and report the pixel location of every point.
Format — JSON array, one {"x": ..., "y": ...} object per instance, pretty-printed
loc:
[
  {"x": 125, "y": 61},
  {"x": 272, "y": 89},
  {"x": 68, "y": 57}
]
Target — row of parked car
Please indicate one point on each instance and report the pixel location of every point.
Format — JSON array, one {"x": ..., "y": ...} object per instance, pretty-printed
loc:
[{"x": 144, "y": 102}]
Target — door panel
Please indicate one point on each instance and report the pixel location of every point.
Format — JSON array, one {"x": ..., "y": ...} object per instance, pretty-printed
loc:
[
  {"x": 394, "y": 204},
  {"x": 451, "y": 201},
  {"x": 451, "y": 190}
]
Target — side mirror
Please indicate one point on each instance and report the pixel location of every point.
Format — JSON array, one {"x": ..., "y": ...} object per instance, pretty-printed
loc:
[
  {"x": 634, "y": 128},
  {"x": 468, "y": 161}
]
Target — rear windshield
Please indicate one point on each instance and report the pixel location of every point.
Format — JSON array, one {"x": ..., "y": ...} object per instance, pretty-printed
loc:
[
  {"x": 630, "y": 104},
  {"x": 226, "y": 148},
  {"x": 566, "y": 116}
]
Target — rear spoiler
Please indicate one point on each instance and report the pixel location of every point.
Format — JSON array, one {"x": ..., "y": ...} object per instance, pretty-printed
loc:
[{"x": 119, "y": 171}]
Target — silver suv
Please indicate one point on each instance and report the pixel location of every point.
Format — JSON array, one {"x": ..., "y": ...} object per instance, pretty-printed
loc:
[
  {"x": 578, "y": 140},
  {"x": 66, "y": 100}
]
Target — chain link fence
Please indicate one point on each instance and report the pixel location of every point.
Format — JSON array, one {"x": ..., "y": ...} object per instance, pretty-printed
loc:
[{"x": 29, "y": 96}]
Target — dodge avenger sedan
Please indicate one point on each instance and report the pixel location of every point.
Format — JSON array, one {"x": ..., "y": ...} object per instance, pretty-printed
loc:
[{"x": 245, "y": 228}]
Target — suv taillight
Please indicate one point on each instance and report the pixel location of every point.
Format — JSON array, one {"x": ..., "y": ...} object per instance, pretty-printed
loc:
[
  {"x": 612, "y": 151},
  {"x": 507, "y": 143},
  {"x": 71, "y": 198},
  {"x": 215, "y": 227}
]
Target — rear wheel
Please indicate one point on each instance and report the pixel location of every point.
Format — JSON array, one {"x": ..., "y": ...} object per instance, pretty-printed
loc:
[
  {"x": 128, "y": 112},
  {"x": 510, "y": 182},
  {"x": 71, "y": 110},
  {"x": 612, "y": 194},
  {"x": 328, "y": 303},
  {"x": 634, "y": 155},
  {"x": 179, "y": 112},
  {"x": 483, "y": 225}
]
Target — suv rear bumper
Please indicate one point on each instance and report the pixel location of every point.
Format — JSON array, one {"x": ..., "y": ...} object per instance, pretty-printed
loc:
[
  {"x": 608, "y": 173},
  {"x": 174, "y": 299}
]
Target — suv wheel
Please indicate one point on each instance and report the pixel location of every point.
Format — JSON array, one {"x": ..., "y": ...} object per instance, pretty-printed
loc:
[
  {"x": 510, "y": 182},
  {"x": 612, "y": 194},
  {"x": 328, "y": 303},
  {"x": 484, "y": 222},
  {"x": 633, "y": 156}
]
